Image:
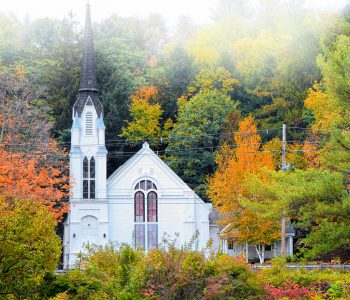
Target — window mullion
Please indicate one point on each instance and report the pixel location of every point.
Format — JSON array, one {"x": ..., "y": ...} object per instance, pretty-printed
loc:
[
  {"x": 146, "y": 222},
  {"x": 89, "y": 179}
]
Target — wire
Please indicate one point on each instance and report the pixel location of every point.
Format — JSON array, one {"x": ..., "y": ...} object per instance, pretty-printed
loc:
[
  {"x": 179, "y": 138},
  {"x": 305, "y": 128}
]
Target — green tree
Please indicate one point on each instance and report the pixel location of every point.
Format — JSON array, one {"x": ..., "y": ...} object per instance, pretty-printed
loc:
[
  {"x": 192, "y": 144},
  {"x": 50, "y": 55},
  {"x": 334, "y": 64},
  {"x": 29, "y": 246},
  {"x": 315, "y": 200},
  {"x": 171, "y": 75}
]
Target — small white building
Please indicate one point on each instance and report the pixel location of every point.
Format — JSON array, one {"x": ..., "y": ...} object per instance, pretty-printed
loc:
[
  {"x": 231, "y": 246},
  {"x": 142, "y": 201}
]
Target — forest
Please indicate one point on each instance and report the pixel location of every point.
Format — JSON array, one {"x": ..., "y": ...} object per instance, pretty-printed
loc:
[{"x": 210, "y": 100}]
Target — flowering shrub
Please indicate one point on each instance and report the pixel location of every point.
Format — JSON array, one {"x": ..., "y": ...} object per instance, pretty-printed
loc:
[
  {"x": 320, "y": 284},
  {"x": 287, "y": 290}
]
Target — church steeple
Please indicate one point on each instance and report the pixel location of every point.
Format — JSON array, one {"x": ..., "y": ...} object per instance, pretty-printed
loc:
[
  {"x": 88, "y": 68},
  {"x": 88, "y": 91}
]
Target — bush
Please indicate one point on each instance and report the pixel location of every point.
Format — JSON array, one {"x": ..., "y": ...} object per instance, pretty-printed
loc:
[
  {"x": 112, "y": 266},
  {"x": 184, "y": 274},
  {"x": 330, "y": 284},
  {"x": 119, "y": 272},
  {"x": 287, "y": 290},
  {"x": 104, "y": 275}
]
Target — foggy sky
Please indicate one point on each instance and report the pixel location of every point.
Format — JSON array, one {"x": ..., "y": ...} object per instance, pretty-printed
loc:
[{"x": 199, "y": 10}]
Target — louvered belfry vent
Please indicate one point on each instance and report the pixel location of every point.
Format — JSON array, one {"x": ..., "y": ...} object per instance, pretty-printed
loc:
[{"x": 88, "y": 123}]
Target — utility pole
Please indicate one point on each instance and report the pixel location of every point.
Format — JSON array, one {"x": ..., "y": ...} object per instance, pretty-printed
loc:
[{"x": 284, "y": 166}]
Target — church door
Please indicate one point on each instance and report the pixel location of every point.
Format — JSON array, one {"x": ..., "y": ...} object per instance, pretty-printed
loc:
[{"x": 89, "y": 230}]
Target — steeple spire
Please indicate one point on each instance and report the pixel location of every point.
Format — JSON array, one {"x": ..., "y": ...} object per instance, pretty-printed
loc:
[
  {"x": 88, "y": 92},
  {"x": 88, "y": 68}
]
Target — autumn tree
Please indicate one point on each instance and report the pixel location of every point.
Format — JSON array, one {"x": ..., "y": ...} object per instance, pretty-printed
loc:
[
  {"x": 32, "y": 165},
  {"x": 29, "y": 246},
  {"x": 146, "y": 117},
  {"x": 227, "y": 189},
  {"x": 329, "y": 103}
]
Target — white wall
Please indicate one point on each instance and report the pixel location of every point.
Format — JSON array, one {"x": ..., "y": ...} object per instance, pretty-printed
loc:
[
  {"x": 214, "y": 231},
  {"x": 180, "y": 212}
]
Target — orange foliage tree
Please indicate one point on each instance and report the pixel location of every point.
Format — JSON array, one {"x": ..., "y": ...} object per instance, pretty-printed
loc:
[
  {"x": 31, "y": 164},
  {"x": 227, "y": 188},
  {"x": 25, "y": 177}
]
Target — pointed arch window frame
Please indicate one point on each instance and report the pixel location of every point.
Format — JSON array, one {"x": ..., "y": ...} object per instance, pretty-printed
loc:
[
  {"x": 146, "y": 224},
  {"x": 89, "y": 178}
]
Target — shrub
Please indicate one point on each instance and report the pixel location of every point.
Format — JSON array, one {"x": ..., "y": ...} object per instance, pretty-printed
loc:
[
  {"x": 287, "y": 290},
  {"x": 111, "y": 265},
  {"x": 79, "y": 285},
  {"x": 184, "y": 274},
  {"x": 330, "y": 284}
]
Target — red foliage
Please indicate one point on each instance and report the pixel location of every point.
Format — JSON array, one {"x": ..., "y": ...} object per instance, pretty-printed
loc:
[{"x": 287, "y": 290}]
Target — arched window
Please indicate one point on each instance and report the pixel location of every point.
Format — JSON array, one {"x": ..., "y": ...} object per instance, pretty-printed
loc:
[
  {"x": 88, "y": 123},
  {"x": 85, "y": 167},
  {"x": 145, "y": 185},
  {"x": 152, "y": 207},
  {"x": 85, "y": 178},
  {"x": 139, "y": 207},
  {"x": 146, "y": 227},
  {"x": 89, "y": 178},
  {"x": 92, "y": 167},
  {"x": 92, "y": 178}
]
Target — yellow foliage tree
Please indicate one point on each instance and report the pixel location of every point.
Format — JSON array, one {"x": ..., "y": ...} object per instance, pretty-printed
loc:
[
  {"x": 146, "y": 117},
  {"x": 320, "y": 102},
  {"x": 227, "y": 188}
]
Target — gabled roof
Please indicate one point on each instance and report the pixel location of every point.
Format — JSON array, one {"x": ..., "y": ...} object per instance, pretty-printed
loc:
[
  {"x": 289, "y": 229},
  {"x": 147, "y": 151},
  {"x": 82, "y": 98}
]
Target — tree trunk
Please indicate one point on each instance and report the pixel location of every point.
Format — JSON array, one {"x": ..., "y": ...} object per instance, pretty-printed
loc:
[{"x": 260, "y": 250}]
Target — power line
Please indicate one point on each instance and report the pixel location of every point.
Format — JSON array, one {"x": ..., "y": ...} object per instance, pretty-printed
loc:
[{"x": 179, "y": 138}]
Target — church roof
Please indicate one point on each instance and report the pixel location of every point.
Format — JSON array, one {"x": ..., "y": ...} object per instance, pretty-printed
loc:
[
  {"x": 147, "y": 151},
  {"x": 88, "y": 83}
]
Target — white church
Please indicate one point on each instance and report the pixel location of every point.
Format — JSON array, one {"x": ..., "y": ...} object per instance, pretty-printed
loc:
[{"x": 142, "y": 201}]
